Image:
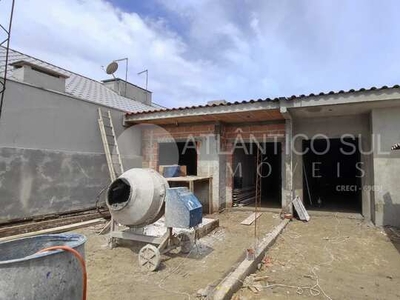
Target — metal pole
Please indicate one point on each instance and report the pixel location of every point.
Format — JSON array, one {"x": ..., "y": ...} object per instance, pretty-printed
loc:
[
  {"x": 147, "y": 82},
  {"x": 147, "y": 76},
  {"x": 147, "y": 79},
  {"x": 126, "y": 76},
  {"x": 7, "y": 40},
  {"x": 258, "y": 195}
]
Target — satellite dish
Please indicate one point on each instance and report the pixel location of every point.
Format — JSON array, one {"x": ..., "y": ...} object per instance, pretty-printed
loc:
[{"x": 112, "y": 68}]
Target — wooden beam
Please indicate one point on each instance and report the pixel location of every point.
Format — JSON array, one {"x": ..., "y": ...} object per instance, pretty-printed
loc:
[
  {"x": 41, "y": 225},
  {"x": 54, "y": 230},
  {"x": 250, "y": 219}
]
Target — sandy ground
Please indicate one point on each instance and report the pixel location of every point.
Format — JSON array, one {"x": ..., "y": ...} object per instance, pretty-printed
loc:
[
  {"x": 348, "y": 258},
  {"x": 115, "y": 274}
]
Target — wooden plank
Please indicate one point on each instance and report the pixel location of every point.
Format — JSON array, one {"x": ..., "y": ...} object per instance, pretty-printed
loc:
[
  {"x": 191, "y": 186},
  {"x": 41, "y": 225},
  {"x": 60, "y": 229},
  {"x": 300, "y": 209},
  {"x": 127, "y": 235},
  {"x": 250, "y": 219},
  {"x": 186, "y": 178},
  {"x": 246, "y": 201}
]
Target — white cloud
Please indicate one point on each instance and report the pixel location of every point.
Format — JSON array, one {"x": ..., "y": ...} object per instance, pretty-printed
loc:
[
  {"x": 83, "y": 35},
  {"x": 226, "y": 49}
]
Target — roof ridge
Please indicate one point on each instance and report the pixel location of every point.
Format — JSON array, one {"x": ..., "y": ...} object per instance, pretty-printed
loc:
[
  {"x": 108, "y": 97},
  {"x": 76, "y": 74},
  {"x": 46, "y": 62}
]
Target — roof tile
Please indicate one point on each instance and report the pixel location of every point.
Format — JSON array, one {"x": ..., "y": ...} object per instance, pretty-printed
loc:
[
  {"x": 77, "y": 85},
  {"x": 293, "y": 97}
]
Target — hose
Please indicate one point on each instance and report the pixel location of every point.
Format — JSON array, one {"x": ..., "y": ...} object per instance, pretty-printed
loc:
[
  {"x": 97, "y": 203},
  {"x": 80, "y": 259}
]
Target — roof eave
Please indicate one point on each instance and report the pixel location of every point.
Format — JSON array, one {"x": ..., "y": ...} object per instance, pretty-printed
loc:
[{"x": 207, "y": 110}]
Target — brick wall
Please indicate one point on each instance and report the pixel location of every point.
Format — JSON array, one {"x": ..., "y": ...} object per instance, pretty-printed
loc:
[
  {"x": 229, "y": 134},
  {"x": 151, "y": 136}
]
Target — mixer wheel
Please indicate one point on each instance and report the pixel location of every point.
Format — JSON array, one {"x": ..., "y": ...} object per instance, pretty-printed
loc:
[
  {"x": 149, "y": 258},
  {"x": 185, "y": 242}
]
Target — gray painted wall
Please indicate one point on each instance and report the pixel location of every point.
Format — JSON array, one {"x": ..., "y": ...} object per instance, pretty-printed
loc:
[
  {"x": 386, "y": 128},
  {"x": 334, "y": 127},
  {"x": 129, "y": 90},
  {"x": 51, "y": 155}
]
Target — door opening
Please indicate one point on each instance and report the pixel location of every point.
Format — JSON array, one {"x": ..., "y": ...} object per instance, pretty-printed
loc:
[
  {"x": 332, "y": 175},
  {"x": 245, "y": 170}
]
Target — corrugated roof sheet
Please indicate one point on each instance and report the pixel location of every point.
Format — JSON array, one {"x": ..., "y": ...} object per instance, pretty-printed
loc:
[
  {"x": 77, "y": 85},
  {"x": 294, "y": 97}
]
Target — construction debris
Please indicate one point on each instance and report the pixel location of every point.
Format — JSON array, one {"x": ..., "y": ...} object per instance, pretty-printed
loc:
[
  {"x": 60, "y": 229},
  {"x": 55, "y": 221},
  {"x": 253, "y": 282},
  {"x": 300, "y": 209},
  {"x": 244, "y": 196}
]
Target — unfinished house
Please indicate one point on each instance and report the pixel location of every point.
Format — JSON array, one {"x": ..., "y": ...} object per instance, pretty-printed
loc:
[
  {"x": 51, "y": 155},
  {"x": 331, "y": 149}
]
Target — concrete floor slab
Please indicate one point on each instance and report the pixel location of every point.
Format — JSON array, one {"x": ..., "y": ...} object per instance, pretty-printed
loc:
[
  {"x": 115, "y": 274},
  {"x": 330, "y": 258}
]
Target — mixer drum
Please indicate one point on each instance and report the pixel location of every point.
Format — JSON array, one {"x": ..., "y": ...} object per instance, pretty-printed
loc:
[{"x": 136, "y": 198}]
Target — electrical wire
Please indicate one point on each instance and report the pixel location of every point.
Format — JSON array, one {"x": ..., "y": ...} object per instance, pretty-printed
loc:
[
  {"x": 316, "y": 289},
  {"x": 80, "y": 259},
  {"x": 3, "y": 89},
  {"x": 98, "y": 207}
]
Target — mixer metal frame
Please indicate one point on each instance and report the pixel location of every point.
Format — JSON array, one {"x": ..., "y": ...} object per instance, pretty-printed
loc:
[{"x": 149, "y": 255}]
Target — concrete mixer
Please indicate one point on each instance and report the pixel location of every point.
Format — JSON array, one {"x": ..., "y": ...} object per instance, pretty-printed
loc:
[{"x": 140, "y": 197}]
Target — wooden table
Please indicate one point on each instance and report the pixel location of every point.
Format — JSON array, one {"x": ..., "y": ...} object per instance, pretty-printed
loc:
[{"x": 190, "y": 181}]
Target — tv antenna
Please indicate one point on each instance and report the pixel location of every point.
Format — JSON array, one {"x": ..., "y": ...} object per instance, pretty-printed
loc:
[
  {"x": 113, "y": 67},
  {"x": 147, "y": 77},
  {"x": 6, "y": 44}
]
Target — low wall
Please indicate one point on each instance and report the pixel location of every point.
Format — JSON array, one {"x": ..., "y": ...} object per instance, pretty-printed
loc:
[{"x": 36, "y": 182}]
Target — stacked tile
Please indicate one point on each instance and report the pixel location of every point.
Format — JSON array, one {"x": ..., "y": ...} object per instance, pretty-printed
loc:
[{"x": 243, "y": 196}]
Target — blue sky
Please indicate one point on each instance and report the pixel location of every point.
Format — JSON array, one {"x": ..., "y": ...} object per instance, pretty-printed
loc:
[{"x": 200, "y": 50}]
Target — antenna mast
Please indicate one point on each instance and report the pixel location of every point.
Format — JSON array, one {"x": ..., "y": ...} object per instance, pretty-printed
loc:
[
  {"x": 147, "y": 77},
  {"x": 6, "y": 44}
]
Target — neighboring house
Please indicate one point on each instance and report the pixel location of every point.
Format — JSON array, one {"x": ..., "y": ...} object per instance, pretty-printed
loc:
[
  {"x": 51, "y": 154},
  {"x": 358, "y": 173}
]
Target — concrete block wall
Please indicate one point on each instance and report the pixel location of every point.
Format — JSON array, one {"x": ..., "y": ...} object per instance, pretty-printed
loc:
[
  {"x": 386, "y": 165},
  {"x": 51, "y": 155},
  {"x": 333, "y": 127}
]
